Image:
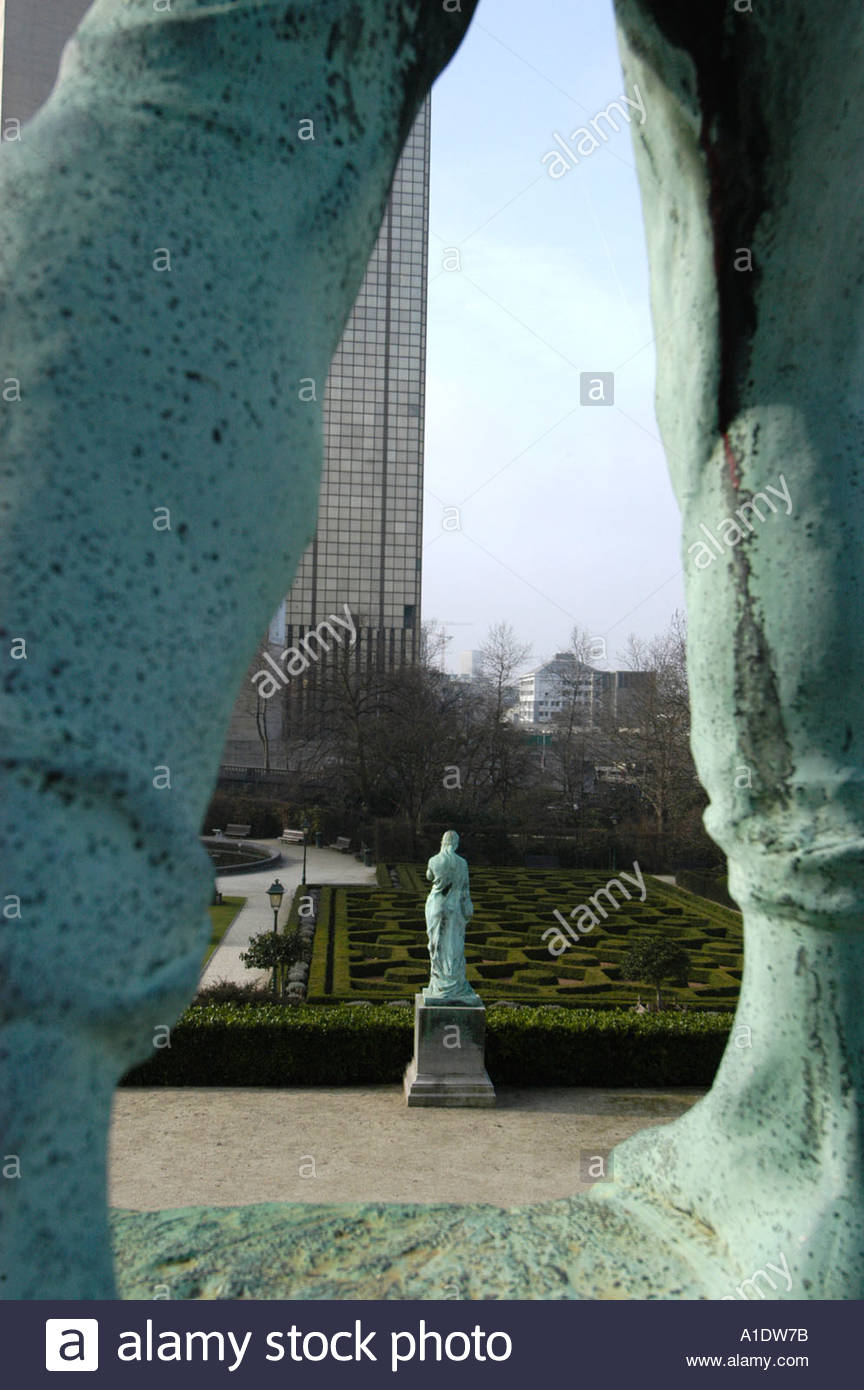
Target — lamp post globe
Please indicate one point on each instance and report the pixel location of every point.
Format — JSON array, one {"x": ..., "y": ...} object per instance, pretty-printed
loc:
[{"x": 275, "y": 893}]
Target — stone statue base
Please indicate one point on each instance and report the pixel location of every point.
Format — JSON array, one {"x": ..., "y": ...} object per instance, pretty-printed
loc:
[{"x": 448, "y": 1067}]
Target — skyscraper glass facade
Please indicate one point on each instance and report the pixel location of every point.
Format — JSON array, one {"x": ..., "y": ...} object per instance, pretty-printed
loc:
[{"x": 366, "y": 552}]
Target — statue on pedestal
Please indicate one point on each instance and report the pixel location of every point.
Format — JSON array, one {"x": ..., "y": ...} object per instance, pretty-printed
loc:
[
  {"x": 448, "y": 911},
  {"x": 448, "y": 1067}
]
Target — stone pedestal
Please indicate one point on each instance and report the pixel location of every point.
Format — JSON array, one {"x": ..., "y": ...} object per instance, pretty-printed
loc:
[{"x": 448, "y": 1067}]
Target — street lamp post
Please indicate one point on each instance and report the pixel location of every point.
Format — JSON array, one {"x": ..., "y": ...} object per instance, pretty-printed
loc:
[
  {"x": 275, "y": 893},
  {"x": 305, "y": 829}
]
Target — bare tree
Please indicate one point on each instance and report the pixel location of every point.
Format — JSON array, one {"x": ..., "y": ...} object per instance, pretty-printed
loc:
[
  {"x": 649, "y": 725},
  {"x": 575, "y": 745},
  {"x": 501, "y": 656},
  {"x": 256, "y": 705},
  {"x": 389, "y": 734},
  {"x": 432, "y": 647},
  {"x": 417, "y": 740},
  {"x": 504, "y": 757}
]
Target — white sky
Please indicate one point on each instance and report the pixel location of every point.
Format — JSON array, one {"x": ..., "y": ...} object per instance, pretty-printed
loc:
[{"x": 566, "y": 511}]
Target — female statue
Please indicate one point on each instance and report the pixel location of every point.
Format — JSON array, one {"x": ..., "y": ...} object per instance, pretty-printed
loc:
[{"x": 448, "y": 910}]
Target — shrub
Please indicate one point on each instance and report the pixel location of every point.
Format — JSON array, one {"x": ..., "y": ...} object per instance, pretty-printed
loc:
[
  {"x": 656, "y": 960},
  {"x": 277, "y": 1045},
  {"x": 707, "y": 885},
  {"x": 225, "y": 808},
  {"x": 227, "y": 992},
  {"x": 513, "y": 908},
  {"x": 276, "y": 951},
  {"x": 591, "y": 1047},
  {"x": 317, "y": 985}
]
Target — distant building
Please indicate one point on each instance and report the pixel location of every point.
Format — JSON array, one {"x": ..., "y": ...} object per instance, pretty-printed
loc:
[
  {"x": 565, "y": 683},
  {"x": 368, "y": 545},
  {"x": 546, "y": 691},
  {"x": 365, "y": 558},
  {"x": 470, "y": 664}
]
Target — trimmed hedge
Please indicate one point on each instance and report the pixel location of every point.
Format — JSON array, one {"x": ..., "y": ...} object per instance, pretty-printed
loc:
[
  {"x": 705, "y": 885},
  {"x": 590, "y": 1047},
  {"x": 278, "y": 1045},
  {"x": 317, "y": 983},
  {"x": 371, "y": 940}
]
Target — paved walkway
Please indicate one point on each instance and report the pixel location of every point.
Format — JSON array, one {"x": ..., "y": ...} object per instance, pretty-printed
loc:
[
  {"x": 221, "y": 1147},
  {"x": 322, "y": 866}
]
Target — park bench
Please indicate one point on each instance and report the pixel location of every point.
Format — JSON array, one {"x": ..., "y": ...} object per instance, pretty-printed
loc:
[
  {"x": 294, "y": 837},
  {"x": 240, "y": 832},
  {"x": 343, "y": 844}
]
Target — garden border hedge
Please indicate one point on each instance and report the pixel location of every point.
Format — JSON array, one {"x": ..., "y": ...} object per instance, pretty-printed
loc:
[
  {"x": 712, "y": 886},
  {"x": 339, "y": 1045},
  {"x": 318, "y": 965}
]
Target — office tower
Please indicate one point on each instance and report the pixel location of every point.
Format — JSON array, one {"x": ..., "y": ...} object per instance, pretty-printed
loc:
[
  {"x": 470, "y": 664},
  {"x": 366, "y": 554}
]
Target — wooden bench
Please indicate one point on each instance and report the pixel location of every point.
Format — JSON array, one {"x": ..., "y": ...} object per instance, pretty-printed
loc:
[
  {"x": 343, "y": 844},
  {"x": 240, "y": 832},
  {"x": 294, "y": 837}
]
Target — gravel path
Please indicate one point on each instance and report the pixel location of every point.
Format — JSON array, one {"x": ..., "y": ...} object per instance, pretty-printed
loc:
[{"x": 176, "y": 1148}]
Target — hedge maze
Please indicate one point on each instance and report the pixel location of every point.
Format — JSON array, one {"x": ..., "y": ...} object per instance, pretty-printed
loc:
[{"x": 371, "y": 942}]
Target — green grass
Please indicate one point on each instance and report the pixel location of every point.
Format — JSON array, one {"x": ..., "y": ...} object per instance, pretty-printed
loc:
[
  {"x": 221, "y": 917},
  {"x": 371, "y": 942}
]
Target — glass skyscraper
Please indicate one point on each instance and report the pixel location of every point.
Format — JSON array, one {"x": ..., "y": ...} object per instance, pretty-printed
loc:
[{"x": 366, "y": 552}]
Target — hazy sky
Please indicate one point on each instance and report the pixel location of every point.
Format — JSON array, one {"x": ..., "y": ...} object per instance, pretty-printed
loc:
[{"x": 563, "y": 512}]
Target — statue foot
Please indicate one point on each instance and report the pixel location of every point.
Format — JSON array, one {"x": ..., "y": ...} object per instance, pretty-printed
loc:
[{"x": 769, "y": 1162}]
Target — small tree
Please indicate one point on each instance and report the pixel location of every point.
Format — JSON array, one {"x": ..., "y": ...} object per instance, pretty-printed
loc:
[
  {"x": 655, "y": 961},
  {"x": 501, "y": 656},
  {"x": 276, "y": 951}
]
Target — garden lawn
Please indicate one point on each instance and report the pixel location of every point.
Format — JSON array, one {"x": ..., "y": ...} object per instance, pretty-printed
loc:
[{"x": 221, "y": 916}]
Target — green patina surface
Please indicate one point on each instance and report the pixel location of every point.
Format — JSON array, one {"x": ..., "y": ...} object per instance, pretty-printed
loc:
[
  {"x": 145, "y": 390},
  {"x": 177, "y": 260},
  {"x": 569, "y": 1249}
]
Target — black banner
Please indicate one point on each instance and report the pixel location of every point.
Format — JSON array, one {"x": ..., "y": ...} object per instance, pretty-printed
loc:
[{"x": 489, "y": 1344}]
